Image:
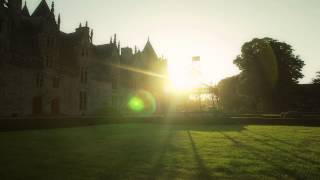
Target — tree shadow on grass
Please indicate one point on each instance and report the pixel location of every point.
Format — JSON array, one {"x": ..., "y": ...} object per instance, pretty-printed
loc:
[
  {"x": 289, "y": 154},
  {"x": 157, "y": 168},
  {"x": 204, "y": 173},
  {"x": 282, "y": 141},
  {"x": 211, "y": 128},
  {"x": 261, "y": 155}
]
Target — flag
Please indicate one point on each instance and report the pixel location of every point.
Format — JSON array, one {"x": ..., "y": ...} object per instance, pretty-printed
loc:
[{"x": 196, "y": 58}]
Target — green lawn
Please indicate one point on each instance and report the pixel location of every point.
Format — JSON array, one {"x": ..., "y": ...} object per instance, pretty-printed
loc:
[{"x": 154, "y": 151}]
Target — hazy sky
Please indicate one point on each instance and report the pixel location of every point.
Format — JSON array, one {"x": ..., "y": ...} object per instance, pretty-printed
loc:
[{"x": 212, "y": 29}]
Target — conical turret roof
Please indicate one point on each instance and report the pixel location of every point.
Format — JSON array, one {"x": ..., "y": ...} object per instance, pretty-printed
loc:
[
  {"x": 149, "y": 50},
  {"x": 25, "y": 10},
  {"x": 42, "y": 10}
]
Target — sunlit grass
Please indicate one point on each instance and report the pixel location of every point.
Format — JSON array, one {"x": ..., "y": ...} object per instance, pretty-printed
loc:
[{"x": 147, "y": 151}]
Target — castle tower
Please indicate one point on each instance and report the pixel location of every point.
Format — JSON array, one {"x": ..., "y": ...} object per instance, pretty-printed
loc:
[
  {"x": 42, "y": 10},
  {"x": 15, "y": 6}
]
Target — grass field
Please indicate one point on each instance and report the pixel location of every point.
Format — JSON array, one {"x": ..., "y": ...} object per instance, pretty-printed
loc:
[{"x": 155, "y": 151}]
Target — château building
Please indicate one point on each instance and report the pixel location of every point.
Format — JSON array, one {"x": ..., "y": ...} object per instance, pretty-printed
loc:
[{"x": 44, "y": 71}]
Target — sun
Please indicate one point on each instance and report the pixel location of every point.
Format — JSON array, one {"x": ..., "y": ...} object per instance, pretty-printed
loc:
[{"x": 181, "y": 78}]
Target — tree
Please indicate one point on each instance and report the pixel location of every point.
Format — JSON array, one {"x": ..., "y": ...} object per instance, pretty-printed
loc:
[
  {"x": 317, "y": 79},
  {"x": 270, "y": 69},
  {"x": 229, "y": 100}
]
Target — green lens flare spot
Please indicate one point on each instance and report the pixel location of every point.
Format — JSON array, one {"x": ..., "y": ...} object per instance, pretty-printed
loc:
[{"x": 136, "y": 104}]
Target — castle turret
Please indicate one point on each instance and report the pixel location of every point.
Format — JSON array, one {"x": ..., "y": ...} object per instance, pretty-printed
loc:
[
  {"x": 84, "y": 31},
  {"x": 119, "y": 47},
  {"x": 42, "y": 10},
  {"x": 52, "y": 8},
  {"x": 25, "y": 10},
  {"x": 115, "y": 39},
  {"x": 91, "y": 36},
  {"x": 15, "y": 6}
]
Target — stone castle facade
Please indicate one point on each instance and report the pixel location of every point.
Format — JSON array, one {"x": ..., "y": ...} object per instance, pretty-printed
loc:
[{"x": 44, "y": 71}]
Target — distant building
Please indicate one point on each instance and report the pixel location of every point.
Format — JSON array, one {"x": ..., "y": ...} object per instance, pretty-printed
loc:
[{"x": 44, "y": 71}]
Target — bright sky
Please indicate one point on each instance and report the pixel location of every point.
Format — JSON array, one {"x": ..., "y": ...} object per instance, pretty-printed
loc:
[{"x": 212, "y": 29}]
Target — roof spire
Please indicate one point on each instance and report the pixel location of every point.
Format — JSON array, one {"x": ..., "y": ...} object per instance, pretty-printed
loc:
[
  {"x": 25, "y": 10},
  {"x": 86, "y": 23},
  {"x": 91, "y": 36},
  {"x": 42, "y": 10},
  {"x": 59, "y": 21},
  {"x": 135, "y": 49},
  {"x": 115, "y": 39},
  {"x": 52, "y": 7},
  {"x": 148, "y": 49}
]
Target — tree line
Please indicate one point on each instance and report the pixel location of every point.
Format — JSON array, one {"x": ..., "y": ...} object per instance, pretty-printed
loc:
[{"x": 268, "y": 81}]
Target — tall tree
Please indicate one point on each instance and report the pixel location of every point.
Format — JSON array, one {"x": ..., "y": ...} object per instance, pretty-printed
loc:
[
  {"x": 228, "y": 97},
  {"x": 316, "y": 80},
  {"x": 270, "y": 70}
]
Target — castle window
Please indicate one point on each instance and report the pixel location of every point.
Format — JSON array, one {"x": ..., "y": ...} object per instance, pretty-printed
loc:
[
  {"x": 82, "y": 53},
  {"x": 81, "y": 75},
  {"x": 114, "y": 100},
  {"x": 52, "y": 42},
  {"x": 48, "y": 42},
  {"x": 39, "y": 80},
  {"x": 50, "y": 62},
  {"x": 114, "y": 83},
  {"x": 83, "y": 100},
  {"x": 84, "y": 75},
  {"x": 56, "y": 82},
  {"x": 1, "y": 27},
  {"x": 47, "y": 61}
]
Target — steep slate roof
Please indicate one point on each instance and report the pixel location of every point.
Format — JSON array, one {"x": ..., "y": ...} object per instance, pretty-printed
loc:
[
  {"x": 25, "y": 10},
  {"x": 148, "y": 50},
  {"x": 42, "y": 10}
]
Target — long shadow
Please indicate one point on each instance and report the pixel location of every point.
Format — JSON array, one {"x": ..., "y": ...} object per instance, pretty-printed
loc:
[
  {"x": 156, "y": 170},
  {"x": 203, "y": 170},
  {"x": 260, "y": 154},
  {"x": 126, "y": 163},
  {"x": 270, "y": 137},
  {"x": 210, "y": 128},
  {"x": 281, "y": 141},
  {"x": 288, "y": 154}
]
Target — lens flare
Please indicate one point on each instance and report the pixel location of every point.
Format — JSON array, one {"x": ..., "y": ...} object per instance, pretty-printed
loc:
[
  {"x": 136, "y": 104},
  {"x": 143, "y": 102}
]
